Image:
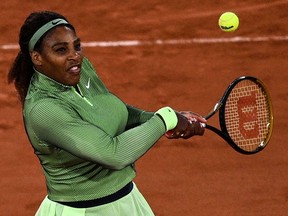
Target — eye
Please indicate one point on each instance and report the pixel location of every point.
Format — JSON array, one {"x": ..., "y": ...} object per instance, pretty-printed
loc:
[
  {"x": 78, "y": 47},
  {"x": 61, "y": 50}
]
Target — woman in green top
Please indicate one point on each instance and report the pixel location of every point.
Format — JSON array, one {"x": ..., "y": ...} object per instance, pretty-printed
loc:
[{"x": 86, "y": 138}]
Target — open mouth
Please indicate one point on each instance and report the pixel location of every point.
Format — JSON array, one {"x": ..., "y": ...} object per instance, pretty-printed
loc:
[{"x": 76, "y": 69}]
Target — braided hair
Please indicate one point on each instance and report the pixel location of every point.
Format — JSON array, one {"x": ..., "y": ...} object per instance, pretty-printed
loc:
[{"x": 22, "y": 70}]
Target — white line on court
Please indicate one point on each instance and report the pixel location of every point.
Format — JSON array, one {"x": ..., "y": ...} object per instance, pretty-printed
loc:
[{"x": 128, "y": 43}]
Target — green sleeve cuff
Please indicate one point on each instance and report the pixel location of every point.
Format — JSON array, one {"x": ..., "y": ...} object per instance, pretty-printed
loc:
[{"x": 169, "y": 117}]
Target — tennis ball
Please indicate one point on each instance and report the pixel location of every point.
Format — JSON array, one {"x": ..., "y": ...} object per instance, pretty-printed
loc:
[{"x": 228, "y": 22}]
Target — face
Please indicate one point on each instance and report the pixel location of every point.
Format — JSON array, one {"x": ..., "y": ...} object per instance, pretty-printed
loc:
[{"x": 61, "y": 56}]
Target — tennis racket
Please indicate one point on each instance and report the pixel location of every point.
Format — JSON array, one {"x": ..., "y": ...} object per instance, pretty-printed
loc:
[{"x": 245, "y": 115}]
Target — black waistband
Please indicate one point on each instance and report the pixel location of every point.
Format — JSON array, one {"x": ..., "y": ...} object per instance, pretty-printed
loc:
[{"x": 101, "y": 201}]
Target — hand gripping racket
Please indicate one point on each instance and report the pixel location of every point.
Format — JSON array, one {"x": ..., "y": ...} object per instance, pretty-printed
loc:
[{"x": 245, "y": 115}]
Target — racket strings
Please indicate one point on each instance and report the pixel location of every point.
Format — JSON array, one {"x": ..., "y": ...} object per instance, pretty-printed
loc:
[{"x": 247, "y": 115}]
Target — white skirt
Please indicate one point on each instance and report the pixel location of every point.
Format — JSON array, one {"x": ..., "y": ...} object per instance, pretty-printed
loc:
[{"x": 132, "y": 204}]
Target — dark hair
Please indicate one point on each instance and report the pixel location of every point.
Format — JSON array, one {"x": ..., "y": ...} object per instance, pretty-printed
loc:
[{"x": 22, "y": 70}]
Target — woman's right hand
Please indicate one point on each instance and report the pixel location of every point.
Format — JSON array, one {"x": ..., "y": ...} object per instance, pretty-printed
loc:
[{"x": 189, "y": 124}]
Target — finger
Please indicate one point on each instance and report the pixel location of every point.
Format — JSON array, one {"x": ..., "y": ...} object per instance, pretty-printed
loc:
[
  {"x": 196, "y": 128},
  {"x": 193, "y": 116},
  {"x": 200, "y": 119}
]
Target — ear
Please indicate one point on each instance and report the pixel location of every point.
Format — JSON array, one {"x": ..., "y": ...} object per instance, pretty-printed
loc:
[{"x": 36, "y": 58}]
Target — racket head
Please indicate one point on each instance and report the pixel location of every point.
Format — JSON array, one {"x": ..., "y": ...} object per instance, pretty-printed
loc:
[{"x": 246, "y": 115}]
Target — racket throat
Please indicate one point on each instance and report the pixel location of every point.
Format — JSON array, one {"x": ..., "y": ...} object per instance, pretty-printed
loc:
[{"x": 215, "y": 109}]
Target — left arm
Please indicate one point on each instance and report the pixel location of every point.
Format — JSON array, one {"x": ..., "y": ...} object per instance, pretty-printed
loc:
[{"x": 137, "y": 116}]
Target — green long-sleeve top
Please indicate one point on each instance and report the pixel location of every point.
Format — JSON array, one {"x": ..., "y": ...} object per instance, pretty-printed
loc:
[{"x": 85, "y": 137}]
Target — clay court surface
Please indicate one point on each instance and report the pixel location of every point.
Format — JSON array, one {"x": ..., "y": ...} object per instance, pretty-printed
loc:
[{"x": 197, "y": 177}]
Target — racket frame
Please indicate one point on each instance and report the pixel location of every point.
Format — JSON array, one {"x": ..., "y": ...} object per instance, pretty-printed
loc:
[{"x": 220, "y": 107}]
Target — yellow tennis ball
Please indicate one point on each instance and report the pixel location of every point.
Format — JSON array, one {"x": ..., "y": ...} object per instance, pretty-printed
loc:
[{"x": 228, "y": 22}]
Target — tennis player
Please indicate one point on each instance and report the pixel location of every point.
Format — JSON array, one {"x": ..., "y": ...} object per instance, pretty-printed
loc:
[{"x": 86, "y": 138}]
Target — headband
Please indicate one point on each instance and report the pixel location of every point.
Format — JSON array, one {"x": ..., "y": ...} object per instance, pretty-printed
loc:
[{"x": 41, "y": 31}]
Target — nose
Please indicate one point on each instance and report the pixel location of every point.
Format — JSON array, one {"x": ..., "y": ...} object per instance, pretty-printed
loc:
[{"x": 74, "y": 55}]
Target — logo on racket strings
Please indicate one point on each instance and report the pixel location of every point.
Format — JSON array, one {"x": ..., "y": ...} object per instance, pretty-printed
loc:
[{"x": 247, "y": 111}]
